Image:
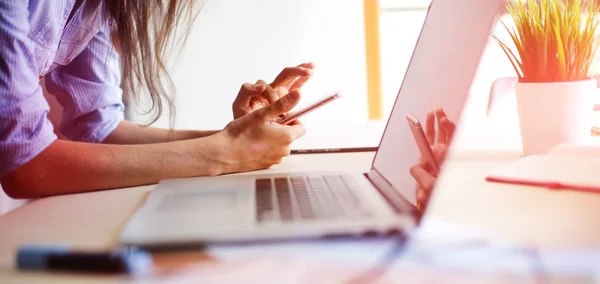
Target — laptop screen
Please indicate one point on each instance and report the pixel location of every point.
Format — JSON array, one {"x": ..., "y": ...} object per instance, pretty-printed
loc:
[{"x": 440, "y": 73}]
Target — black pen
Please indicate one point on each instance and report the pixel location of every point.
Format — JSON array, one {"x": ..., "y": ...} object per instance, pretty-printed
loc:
[
  {"x": 334, "y": 150},
  {"x": 60, "y": 258}
]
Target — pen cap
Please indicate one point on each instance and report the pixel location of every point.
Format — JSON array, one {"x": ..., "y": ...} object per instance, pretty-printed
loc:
[{"x": 36, "y": 258}]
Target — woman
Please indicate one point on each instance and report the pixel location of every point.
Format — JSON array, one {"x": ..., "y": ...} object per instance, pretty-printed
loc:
[
  {"x": 86, "y": 50},
  {"x": 423, "y": 173}
]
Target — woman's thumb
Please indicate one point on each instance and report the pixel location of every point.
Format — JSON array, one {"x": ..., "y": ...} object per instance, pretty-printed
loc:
[{"x": 282, "y": 105}]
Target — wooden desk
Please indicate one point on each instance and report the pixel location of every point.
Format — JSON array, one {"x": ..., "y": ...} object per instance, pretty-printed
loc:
[
  {"x": 526, "y": 215},
  {"x": 94, "y": 220}
]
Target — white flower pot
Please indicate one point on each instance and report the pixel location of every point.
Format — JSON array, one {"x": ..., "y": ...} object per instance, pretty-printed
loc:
[{"x": 551, "y": 114}]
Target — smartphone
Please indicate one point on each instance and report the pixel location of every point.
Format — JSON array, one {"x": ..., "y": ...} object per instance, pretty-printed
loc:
[
  {"x": 421, "y": 140},
  {"x": 289, "y": 118}
]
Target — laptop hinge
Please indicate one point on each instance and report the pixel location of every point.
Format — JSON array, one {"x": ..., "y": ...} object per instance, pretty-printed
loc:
[{"x": 400, "y": 204}]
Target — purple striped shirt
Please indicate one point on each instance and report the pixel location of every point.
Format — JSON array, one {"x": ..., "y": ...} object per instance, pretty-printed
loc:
[{"x": 80, "y": 68}]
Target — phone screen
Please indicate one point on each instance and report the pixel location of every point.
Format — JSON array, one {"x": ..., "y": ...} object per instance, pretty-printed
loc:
[{"x": 289, "y": 118}]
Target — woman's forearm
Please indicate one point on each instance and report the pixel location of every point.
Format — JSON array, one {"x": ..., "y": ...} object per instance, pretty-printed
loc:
[
  {"x": 70, "y": 167},
  {"x": 131, "y": 133}
]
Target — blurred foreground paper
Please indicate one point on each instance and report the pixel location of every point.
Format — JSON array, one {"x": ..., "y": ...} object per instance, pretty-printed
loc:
[
  {"x": 438, "y": 253},
  {"x": 288, "y": 270},
  {"x": 440, "y": 245}
]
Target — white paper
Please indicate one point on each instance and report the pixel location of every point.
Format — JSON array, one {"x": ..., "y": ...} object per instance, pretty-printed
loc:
[{"x": 439, "y": 252}]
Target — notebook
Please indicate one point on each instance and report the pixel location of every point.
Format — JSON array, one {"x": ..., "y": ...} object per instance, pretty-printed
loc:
[{"x": 574, "y": 167}]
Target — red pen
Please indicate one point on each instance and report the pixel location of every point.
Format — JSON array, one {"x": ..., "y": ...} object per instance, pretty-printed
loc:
[{"x": 549, "y": 185}]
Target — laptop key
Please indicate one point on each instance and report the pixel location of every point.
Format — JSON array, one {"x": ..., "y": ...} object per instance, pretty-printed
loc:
[
  {"x": 320, "y": 190},
  {"x": 303, "y": 198},
  {"x": 283, "y": 199},
  {"x": 335, "y": 186},
  {"x": 264, "y": 200},
  {"x": 342, "y": 189}
]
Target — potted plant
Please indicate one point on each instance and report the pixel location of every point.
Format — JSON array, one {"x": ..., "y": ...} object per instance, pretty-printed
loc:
[{"x": 552, "y": 47}]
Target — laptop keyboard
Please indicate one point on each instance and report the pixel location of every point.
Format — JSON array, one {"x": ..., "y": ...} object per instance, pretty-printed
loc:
[{"x": 307, "y": 197}]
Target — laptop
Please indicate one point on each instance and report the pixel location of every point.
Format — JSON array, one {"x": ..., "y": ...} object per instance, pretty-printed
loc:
[{"x": 302, "y": 205}]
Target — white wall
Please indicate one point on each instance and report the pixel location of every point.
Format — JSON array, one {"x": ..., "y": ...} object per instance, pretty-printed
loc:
[{"x": 234, "y": 41}]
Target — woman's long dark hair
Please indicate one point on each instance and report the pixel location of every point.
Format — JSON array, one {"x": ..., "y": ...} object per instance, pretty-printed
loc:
[{"x": 144, "y": 31}]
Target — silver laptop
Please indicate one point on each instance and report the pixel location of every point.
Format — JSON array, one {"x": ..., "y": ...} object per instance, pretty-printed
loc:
[{"x": 243, "y": 208}]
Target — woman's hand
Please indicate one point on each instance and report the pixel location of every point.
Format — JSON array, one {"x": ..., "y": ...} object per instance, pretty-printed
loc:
[
  {"x": 423, "y": 172},
  {"x": 255, "y": 141},
  {"x": 252, "y": 97}
]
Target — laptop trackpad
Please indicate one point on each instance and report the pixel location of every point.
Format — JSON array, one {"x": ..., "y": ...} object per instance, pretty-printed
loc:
[{"x": 223, "y": 200}]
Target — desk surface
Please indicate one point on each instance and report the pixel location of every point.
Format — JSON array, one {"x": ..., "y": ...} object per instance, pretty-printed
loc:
[{"x": 522, "y": 214}]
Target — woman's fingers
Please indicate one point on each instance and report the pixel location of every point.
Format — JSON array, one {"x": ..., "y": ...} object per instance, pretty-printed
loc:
[
  {"x": 425, "y": 184},
  {"x": 242, "y": 104},
  {"x": 440, "y": 113},
  {"x": 439, "y": 138},
  {"x": 430, "y": 128},
  {"x": 302, "y": 80},
  {"x": 310, "y": 65},
  {"x": 289, "y": 75},
  {"x": 439, "y": 152},
  {"x": 268, "y": 93},
  {"x": 441, "y": 131},
  {"x": 446, "y": 128},
  {"x": 299, "y": 83},
  {"x": 249, "y": 90},
  {"x": 425, "y": 179},
  {"x": 422, "y": 197},
  {"x": 295, "y": 122},
  {"x": 449, "y": 127}
]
